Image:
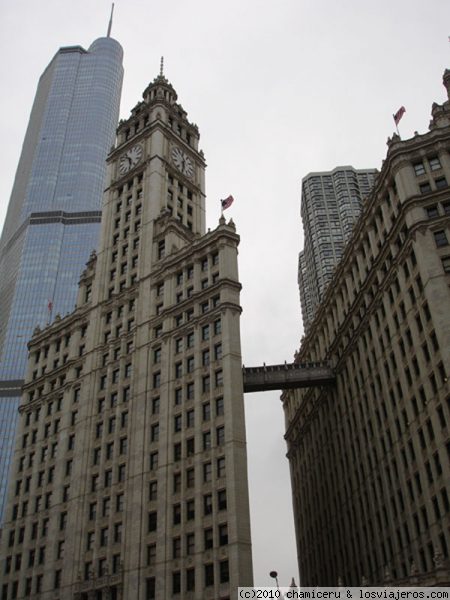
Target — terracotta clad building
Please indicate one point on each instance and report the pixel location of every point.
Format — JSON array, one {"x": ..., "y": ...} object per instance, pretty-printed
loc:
[
  {"x": 130, "y": 471},
  {"x": 370, "y": 457}
]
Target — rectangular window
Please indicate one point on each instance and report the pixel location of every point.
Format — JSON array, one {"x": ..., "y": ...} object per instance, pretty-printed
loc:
[
  {"x": 221, "y": 467},
  {"x": 190, "y": 478},
  {"x": 207, "y": 472},
  {"x": 152, "y": 521},
  {"x": 106, "y": 506},
  {"x": 178, "y": 396},
  {"x": 157, "y": 355},
  {"x": 154, "y": 432},
  {"x": 207, "y": 504},
  {"x": 190, "y": 391},
  {"x": 208, "y": 538},
  {"x": 446, "y": 263},
  {"x": 218, "y": 351},
  {"x": 206, "y": 440},
  {"x": 190, "y": 544},
  {"x": 176, "y": 514},
  {"x": 153, "y": 461},
  {"x": 432, "y": 211},
  {"x": 151, "y": 554},
  {"x": 219, "y": 378},
  {"x": 209, "y": 575},
  {"x": 219, "y": 406},
  {"x": 206, "y": 411},
  {"x": 150, "y": 588},
  {"x": 176, "y": 547},
  {"x": 176, "y": 582},
  {"x": 434, "y": 163},
  {"x": 176, "y": 482},
  {"x": 152, "y": 490},
  {"x": 177, "y": 423},
  {"x": 224, "y": 571},
  {"x": 223, "y": 535},
  {"x": 222, "y": 499},
  {"x": 205, "y": 358},
  {"x": 440, "y": 238},
  {"x": 117, "y": 533},
  {"x": 111, "y": 424},
  {"x": 419, "y": 169},
  {"x": 220, "y": 435},
  {"x": 190, "y": 447},
  {"x": 108, "y": 478},
  {"x": 217, "y": 327},
  {"x": 62, "y": 521},
  {"x": 190, "y": 510}
]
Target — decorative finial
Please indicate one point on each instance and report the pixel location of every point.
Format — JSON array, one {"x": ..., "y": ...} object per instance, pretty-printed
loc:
[
  {"x": 161, "y": 69},
  {"x": 110, "y": 21}
]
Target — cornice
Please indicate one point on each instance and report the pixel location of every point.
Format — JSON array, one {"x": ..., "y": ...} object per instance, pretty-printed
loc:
[
  {"x": 79, "y": 318},
  {"x": 197, "y": 244}
]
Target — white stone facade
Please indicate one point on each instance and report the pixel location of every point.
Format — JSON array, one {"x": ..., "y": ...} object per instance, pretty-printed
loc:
[
  {"x": 130, "y": 472},
  {"x": 370, "y": 459}
]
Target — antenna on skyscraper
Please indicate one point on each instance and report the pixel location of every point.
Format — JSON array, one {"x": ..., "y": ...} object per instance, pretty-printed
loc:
[{"x": 110, "y": 21}]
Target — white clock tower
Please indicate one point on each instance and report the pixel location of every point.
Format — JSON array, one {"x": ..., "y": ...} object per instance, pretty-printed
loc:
[{"x": 148, "y": 494}]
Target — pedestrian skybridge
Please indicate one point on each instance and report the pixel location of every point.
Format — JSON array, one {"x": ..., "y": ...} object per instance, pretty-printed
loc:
[{"x": 287, "y": 376}]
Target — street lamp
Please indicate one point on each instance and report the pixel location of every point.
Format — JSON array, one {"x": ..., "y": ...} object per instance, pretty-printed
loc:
[{"x": 274, "y": 575}]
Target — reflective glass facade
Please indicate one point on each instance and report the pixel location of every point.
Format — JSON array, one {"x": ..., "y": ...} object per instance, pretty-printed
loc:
[{"x": 53, "y": 217}]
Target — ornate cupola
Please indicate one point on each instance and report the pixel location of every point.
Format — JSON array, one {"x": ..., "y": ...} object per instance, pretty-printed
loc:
[{"x": 160, "y": 90}]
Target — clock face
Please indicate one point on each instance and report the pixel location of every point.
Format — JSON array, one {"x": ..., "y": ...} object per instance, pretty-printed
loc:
[
  {"x": 182, "y": 162},
  {"x": 130, "y": 159}
]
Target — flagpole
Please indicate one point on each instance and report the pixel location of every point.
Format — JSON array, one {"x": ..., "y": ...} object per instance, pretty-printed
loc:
[
  {"x": 50, "y": 311},
  {"x": 396, "y": 126}
]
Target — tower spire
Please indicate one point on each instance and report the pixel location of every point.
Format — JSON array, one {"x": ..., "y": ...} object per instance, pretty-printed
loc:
[
  {"x": 161, "y": 69},
  {"x": 110, "y": 21}
]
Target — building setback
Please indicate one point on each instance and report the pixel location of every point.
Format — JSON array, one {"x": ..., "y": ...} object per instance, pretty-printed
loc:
[
  {"x": 53, "y": 217},
  {"x": 369, "y": 457},
  {"x": 130, "y": 472},
  {"x": 331, "y": 204}
]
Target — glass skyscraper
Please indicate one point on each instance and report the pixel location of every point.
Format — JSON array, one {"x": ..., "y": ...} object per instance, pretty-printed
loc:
[{"x": 53, "y": 218}]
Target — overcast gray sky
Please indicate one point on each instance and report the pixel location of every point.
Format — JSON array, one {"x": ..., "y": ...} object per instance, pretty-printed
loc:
[{"x": 278, "y": 88}]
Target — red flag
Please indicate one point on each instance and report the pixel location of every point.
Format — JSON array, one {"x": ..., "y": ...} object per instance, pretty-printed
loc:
[
  {"x": 50, "y": 306},
  {"x": 227, "y": 202},
  {"x": 399, "y": 114}
]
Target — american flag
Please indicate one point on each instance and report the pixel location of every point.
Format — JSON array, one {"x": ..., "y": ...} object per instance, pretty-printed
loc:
[
  {"x": 399, "y": 114},
  {"x": 227, "y": 202}
]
